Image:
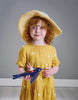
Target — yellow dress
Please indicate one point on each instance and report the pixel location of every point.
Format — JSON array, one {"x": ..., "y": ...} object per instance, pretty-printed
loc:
[{"x": 38, "y": 56}]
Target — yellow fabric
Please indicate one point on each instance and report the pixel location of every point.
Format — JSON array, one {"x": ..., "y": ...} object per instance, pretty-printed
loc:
[{"x": 38, "y": 56}]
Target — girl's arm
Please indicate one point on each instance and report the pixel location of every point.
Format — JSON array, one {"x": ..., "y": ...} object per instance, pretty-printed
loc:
[
  {"x": 48, "y": 72},
  {"x": 22, "y": 70}
]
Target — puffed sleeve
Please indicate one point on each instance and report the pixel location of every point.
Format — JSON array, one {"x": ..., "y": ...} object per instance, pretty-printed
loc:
[
  {"x": 22, "y": 57},
  {"x": 55, "y": 60}
]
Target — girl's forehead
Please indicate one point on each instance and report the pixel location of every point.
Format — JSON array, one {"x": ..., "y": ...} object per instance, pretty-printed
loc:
[{"x": 40, "y": 23}]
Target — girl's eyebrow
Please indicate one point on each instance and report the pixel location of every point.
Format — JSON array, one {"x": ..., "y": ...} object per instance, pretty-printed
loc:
[{"x": 39, "y": 25}]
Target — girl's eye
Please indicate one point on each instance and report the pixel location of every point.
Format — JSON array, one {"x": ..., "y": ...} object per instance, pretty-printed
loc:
[
  {"x": 33, "y": 27},
  {"x": 41, "y": 27}
]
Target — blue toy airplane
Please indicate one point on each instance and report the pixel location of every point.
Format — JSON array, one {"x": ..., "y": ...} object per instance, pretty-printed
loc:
[{"x": 33, "y": 74}]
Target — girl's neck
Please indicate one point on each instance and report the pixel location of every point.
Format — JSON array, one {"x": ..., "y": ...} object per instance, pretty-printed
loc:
[{"x": 39, "y": 42}]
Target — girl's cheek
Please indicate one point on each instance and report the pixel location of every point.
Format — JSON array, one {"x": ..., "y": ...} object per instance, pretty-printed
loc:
[
  {"x": 44, "y": 31},
  {"x": 32, "y": 31}
]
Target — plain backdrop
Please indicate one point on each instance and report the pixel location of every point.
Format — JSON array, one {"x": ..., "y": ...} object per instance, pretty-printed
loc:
[{"x": 63, "y": 12}]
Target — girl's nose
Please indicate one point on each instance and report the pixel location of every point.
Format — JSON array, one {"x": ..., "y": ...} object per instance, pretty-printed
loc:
[{"x": 37, "y": 29}]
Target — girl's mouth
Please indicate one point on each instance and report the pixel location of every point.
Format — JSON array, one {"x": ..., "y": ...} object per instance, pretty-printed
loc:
[{"x": 37, "y": 35}]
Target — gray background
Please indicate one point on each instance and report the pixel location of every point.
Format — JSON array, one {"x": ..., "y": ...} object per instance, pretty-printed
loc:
[{"x": 63, "y": 12}]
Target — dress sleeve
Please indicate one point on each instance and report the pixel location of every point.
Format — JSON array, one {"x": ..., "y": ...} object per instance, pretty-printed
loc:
[
  {"x": 22, "y": 57},
  {"x": 55, "y": 60}
]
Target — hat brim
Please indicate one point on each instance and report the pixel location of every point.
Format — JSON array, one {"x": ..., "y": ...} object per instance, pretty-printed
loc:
[{"x": 25, "y": 18}]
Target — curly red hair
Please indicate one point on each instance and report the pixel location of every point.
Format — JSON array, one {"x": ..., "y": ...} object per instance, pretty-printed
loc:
[{"x": 49, "y": 34}]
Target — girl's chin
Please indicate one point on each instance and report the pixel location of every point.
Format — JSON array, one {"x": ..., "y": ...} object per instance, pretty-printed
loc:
[{"x": 37, "y": 39}]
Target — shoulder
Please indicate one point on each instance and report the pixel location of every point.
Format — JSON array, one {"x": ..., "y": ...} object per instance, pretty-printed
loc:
[
  {"x": 52, "y": 47},
  {"x": 25, "y": 46}
]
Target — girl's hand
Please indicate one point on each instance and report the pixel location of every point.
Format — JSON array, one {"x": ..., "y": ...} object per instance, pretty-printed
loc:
[
  {"x": 27, "y": 78},
  {"x": 29, "y": 66},
  {"x": 21, "y": 70},
  {"x": 48, "y": 72}
]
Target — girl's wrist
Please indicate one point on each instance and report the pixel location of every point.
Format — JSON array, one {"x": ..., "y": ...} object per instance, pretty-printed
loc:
[{"x": 52, "y": 71}]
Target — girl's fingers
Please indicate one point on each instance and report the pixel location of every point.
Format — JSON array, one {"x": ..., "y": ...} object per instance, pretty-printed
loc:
[
  {"x": 47, "y": 68},
  {"x": 27, "y": 78},
  {"x": 27, "y": 65},
  {"x": 46, "y": 71},
  {"x": 46, "y": 76}
]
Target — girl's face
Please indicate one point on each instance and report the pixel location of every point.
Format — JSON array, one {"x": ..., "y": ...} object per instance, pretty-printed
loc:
[{"x": 38, "y": 32}]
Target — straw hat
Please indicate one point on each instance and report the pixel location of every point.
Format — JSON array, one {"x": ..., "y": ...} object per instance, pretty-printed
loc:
[{"x": 25, "y": 18}]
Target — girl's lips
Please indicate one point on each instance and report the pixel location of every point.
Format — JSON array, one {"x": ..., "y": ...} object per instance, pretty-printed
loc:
[{"x": 37, "y": 35}]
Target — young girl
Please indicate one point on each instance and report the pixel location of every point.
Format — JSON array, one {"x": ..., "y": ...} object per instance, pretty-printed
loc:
[{"x": 38, "y": 30}]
